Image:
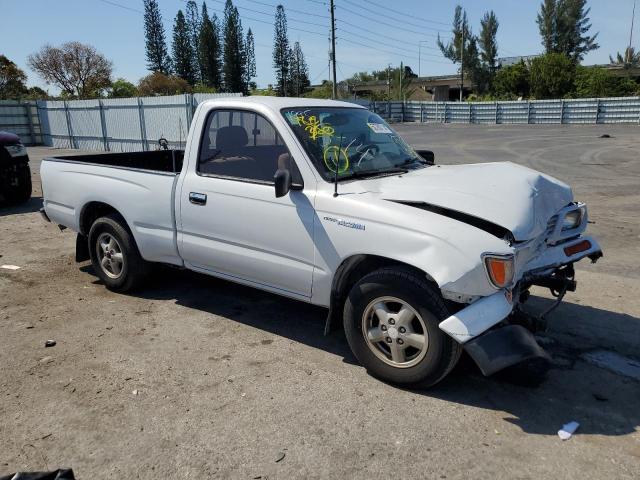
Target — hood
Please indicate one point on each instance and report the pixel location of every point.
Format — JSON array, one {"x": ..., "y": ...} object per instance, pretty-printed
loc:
[
  {"x": 516, "y": 198},
  {"x": 8, "y": 138}
]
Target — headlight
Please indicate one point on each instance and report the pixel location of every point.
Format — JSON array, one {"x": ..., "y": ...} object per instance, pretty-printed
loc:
[
  {"x": 500, "y": 269},
  {"x": 16, "y": 150},
  {"x": 572, "y": 219}
]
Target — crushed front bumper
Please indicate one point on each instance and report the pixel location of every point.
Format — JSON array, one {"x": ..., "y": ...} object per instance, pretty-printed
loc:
[{"x": 494, "y": 348}]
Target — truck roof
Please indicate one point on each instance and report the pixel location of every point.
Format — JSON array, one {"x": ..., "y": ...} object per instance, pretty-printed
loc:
[{"x": 277, "y": 103}]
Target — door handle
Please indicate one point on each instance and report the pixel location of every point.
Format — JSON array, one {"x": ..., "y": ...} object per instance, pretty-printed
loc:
[{"x": 197, "y": 198}]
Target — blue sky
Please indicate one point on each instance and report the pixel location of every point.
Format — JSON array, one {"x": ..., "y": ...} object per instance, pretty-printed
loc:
[{"x": 370, "y": 35}]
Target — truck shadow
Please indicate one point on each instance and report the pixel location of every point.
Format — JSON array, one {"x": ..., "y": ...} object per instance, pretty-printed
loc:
[
  {"x": 538, "y": 403},
  {"x": 32, "y": 205}
]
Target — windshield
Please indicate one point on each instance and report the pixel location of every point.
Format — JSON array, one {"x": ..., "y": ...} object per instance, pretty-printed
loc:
[{"x": 353, "y": 141}]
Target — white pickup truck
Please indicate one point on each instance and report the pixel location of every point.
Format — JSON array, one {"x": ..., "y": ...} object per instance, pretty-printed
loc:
[{"x": 323, "y": 202}]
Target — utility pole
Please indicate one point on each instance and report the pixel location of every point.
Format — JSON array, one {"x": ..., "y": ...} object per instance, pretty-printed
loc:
[
  {"x": 462, "y": 64},
  {"x": 633, "y": 17},
  {"x": 420, "y": 57},
  {"x": 389, "y": 82},
  {"x": 400, "y": 82},
  {"x": 334, "y": 91}
]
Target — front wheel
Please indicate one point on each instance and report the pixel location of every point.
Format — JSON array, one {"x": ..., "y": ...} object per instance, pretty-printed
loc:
[
  {"x": 114, "y": 254},
  {"x": 391, "y": 319}
]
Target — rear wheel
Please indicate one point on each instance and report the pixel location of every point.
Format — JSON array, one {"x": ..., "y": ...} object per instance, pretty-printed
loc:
[
  {"x": 114, "y": 254},
  {"x": 391, "y": 322}
]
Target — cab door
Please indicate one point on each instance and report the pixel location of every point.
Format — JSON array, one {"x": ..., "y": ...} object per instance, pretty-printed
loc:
[{"x": 231, "y": 224}]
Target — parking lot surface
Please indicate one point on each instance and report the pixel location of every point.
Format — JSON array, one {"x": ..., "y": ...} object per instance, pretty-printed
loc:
[{"x": 195, "y": 377}]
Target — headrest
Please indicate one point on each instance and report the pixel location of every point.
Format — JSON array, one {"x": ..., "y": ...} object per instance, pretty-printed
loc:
[{"x": 229, "y": 137}]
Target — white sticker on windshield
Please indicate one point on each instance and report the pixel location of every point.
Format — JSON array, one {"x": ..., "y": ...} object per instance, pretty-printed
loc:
[{"x": 379, "y": 128}]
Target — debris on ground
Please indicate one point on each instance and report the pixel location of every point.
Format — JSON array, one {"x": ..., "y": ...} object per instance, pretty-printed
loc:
[
  {"x": 10, "y": 267},
  {"x": 62, "y": 474},
  {"x": 280, "y": 456},
  {"x": 567, "y": 430},
  {"x": 50, "y": 343},
  {"x": 46, "y": 360}
]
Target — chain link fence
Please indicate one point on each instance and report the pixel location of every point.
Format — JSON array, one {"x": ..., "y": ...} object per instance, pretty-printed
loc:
[{"x": 120, "y": 124}]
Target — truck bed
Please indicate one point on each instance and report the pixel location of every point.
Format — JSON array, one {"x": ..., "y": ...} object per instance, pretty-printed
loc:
[
  {"x": 169, "y": 161},
  {"x": 140, "y": 186}
]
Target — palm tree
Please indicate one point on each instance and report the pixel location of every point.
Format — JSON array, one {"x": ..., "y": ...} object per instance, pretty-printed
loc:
[{"x": 630, "y": 59}]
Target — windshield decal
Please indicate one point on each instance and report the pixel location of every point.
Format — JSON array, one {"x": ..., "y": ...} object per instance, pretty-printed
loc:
[
  {"x": 379, "y": 128},
  {"x": 313, "y": 126},
  {"x": 332, "y": 155}
]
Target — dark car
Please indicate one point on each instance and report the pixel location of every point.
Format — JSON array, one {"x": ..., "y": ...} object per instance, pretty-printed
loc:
[{"x": 15, "y": 174}]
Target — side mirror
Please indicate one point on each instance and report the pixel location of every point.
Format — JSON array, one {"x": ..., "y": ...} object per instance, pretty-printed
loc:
[
  {"x": 282, "y": 180},
  {"x": 428, "y": 156}
]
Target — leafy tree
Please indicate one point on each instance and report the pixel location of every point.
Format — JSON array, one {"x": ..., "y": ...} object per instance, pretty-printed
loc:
[
  {"x": 630, "y": 59},
  {"x": 234, "y": 56},
  {"x": 202, "y": 88},
  {"x": 552, "y": 76},
  {"x": 592, "y": 82},
  {"x": 281, "y": 52},
  {"x": 194, "y": 24},
  {"x": 79, "y": 70},
  {"x": 564, "y": 27},
  {"x": 299, "y": 72},
  {"x": 12, "y": 80},
  {"x": 158, "y": 59},
  {"x": 121, "y": 88},
  {"x": 183, "y": 57},
  {"x": 463, "y": 49},
  {"x": 210, "y": 50},
  {"x": 160, "y": 84},
  {"x": 250, "y": 62},
  {"x": 36, "y": 93},
  {"x": 512, "y": 82}
]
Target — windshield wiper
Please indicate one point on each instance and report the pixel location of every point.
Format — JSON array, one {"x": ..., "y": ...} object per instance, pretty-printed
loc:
[{"x": 374, "y": 173}]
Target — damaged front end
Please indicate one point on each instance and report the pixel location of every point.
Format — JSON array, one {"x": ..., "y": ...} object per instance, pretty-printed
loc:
[{"x": 495, "y": 330}]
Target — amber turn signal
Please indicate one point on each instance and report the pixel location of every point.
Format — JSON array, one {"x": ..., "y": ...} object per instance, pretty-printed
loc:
[
  {"x": 500, "y": 270},
  {"x": 577, "y": 248}
]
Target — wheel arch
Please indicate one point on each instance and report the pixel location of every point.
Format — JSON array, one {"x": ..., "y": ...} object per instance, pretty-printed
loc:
[
  {"x": 353, "y": 268},
  {"x": 92, "y": 211}
]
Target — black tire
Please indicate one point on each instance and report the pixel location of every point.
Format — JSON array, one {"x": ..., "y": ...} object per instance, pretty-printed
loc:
[
  {"x": 134, "y": 268},
  {"x": 442, "y": 352},
  {"x": 22, "y": 192}
]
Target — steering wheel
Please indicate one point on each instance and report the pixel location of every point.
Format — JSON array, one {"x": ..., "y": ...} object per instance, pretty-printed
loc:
[{"x": 365, "y": 149}]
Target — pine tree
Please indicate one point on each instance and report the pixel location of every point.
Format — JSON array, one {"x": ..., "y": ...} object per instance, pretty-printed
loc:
[
  {"x": 192, "y": 17},
  {"x": 281, "y": 52},
  {"x": 564, "y": 27},
  {"x": 299, "y": 72},
  {"x": 233, "y": 58},
  {"x": 183, "y": 58},
  {"x": 546, "y": 21},
  {"x": 210, "y": 50},
  {"x": 463, "y": 48},
  {"x": 158, "y": 59},
  {"x": 250, "y": 61},
  {"x": 487, "y": 40}
]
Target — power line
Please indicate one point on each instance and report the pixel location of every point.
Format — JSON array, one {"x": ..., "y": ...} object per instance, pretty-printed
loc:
[
  {"x": 410, "y": 15},
  {"x": 108, "y": 2},
  {"x": 289, "y": 9},
  {"x": 378, "y": 42},
  {"x": 387, "y": 51},
  {"x": 378, "y": 21},
  {"x": 270, "y": 14},
  {"x": 271, "y": 23},
  {"x": 388, "y": 16}
]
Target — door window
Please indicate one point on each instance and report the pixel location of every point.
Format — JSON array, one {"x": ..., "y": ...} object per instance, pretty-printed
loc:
[{"x": 243, "y": 145}]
